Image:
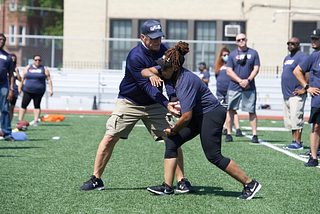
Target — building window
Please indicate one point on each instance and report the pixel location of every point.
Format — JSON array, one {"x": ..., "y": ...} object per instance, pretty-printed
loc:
[
  {"x": 177, "y": 30},
  {"x": 12, "y": 33},
  {"x": 206, "y": 31},
  {"x": 22, "y": 32},
  {"x": 35, "y": 40},
  {"x": 119, "y": 50},
  {"x": 12, "y": 6},
  {"x": 303, "y": 30}
]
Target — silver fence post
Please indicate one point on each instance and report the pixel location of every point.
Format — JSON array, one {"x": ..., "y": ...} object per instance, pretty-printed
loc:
[
  {"x": 103, "y": 53},
  {"x": 52, "y": 53},
  {"x": 202, "y": 56}
]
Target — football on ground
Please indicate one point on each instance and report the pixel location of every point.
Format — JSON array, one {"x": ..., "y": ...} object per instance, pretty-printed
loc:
[
  {"x": 23, "y": 122},
  {"x": 21, "y": 127}
]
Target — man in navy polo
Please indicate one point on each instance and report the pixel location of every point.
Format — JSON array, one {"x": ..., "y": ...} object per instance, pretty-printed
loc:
[
  {"x": 294, "y": 96},
  {"x": 312, "y": 63},
  {"x": 139, "y": 100},
  {"x": 242, "y": 67},
  {"x": 6, "y": 90}
]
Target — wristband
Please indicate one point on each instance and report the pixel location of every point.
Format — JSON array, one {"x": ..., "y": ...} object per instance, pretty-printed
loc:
[
  {"x": 306, "y": 87},
  {"x": 11, "y": 89},
  {"x": 152, "y": 75},
  {"x": 249, "y": 80},
  {"x": 172, "y": 132}
]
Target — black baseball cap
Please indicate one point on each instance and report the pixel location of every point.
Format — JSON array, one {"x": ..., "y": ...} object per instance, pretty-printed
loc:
[
  {"x": 316, "y": 34},
  {"x": 203, "y": 64},
  {"x": 167, "y": 62},
  {"x": 152, "y": 28}
]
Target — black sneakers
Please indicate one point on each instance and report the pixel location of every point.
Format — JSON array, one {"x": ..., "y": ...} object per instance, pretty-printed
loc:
[
  {"x": 228, "y": 138},
  {"x": 184, "y": 186},
  {"x": 224, "y": 132},
  {"x": 255, "y": 139},
  {"x": 250, "y": 190},
  {"x": 163, "y": 189},
  {"x": 92, "y": 184},
  {"x": 239, "y": 133},
  {"x": 9, "y": 139},
  {"x": 312, "y": 162}
]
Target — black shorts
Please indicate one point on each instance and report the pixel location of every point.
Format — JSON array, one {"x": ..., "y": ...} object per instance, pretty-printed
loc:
[
  {"x": 27, "y": 98},
  {"x": 13, "y": 101},
  {"x": 314, "y": 115}
]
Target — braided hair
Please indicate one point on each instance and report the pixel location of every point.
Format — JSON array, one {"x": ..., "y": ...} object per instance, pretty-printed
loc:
[{"x": 175, "y": 55}]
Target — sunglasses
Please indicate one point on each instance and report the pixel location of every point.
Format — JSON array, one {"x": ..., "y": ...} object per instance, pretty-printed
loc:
[
  {"x": 226, "y": 55},
  {"x": 37, "y": 60},
  {"x": 291, "y": 43},
  {"x": 239, "y": 40}
]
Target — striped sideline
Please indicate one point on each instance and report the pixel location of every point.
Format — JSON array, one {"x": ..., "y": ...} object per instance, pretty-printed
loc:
[{"x": 261, "y": 142}]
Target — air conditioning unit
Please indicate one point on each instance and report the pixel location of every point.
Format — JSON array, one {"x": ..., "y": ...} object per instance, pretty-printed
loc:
[{"x": 231, "y": 30}]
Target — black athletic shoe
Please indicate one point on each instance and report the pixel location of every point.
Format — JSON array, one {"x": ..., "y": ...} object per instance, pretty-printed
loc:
[
  {"x": 163, "y": 189},
  {"x": 239, "y": 133},
  {"x": 312, "y": 162},
  {"x": 224, "y": 132},
  {"x": 228, "y": 138},
  {"x": 255, "y": 139},
  {"x": 184, "y": 186},
  {"x": 92, "y": 184},
  {"x": 9, "y": 139},
  {"x": 250, "y": 190}
]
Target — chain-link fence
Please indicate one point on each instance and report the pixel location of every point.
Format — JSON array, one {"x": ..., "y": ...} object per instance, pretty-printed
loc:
[{"x": 99, "y": 54}]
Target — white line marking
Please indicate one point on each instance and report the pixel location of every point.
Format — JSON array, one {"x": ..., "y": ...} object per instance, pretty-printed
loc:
[
  {"x": 272, "y": 146},
  {"x": 266, "y": 128}
]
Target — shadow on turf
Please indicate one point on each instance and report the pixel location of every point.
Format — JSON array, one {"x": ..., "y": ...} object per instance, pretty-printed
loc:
[{"x": 20, "y": 147}]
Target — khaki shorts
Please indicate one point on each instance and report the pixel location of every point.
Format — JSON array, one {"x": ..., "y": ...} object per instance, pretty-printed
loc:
[
  {"x": 293, "y": 109},
  {"x": 126, "y": 114}
]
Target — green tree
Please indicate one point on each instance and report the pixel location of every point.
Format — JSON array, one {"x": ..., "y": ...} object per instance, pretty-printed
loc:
[{"x": 50, "y": 10}]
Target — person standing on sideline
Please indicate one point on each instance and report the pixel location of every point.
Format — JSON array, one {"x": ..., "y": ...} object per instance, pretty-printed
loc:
[
  {"x": 15, "y": 88},
  {"x": 223, "y": 81},
  {"x": 35, "y": 77},
  {"x": 315, "y": 43},
  {"x": 139, "y": 100},
  {"x": 242, "y": 67},
  {"x": 6, "y": 89},
  {"x": 204, "y": 73},
  {"x": 201, "y": 113},
  {"x": 312, "y": 63},
  {"x": 294, "y": 96}
]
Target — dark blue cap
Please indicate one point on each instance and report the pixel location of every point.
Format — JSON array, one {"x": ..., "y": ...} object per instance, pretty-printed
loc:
[{"x": 152, "y": 28}]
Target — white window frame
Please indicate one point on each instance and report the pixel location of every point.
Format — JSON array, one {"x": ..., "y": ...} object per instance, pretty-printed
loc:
[
  {"x": 22, "y": 40},
  {"x": 12, "y": 6},
  {"x": 12, "y": 38}
]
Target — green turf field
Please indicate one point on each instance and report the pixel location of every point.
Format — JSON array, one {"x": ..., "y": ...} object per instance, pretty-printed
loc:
[{"x": 43, "y": 175}]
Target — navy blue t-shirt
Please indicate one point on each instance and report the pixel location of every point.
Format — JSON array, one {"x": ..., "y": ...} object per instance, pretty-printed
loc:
[
  {"x": 134, "y": 86},
  {"x": 205, "y": 75},
  {"x": 312, "y": 63},
  {"x": 243, "y": 71},
  {"x": 289, "y": 81},
  {"x": 6, "y": 65},
  {"x": 223, "y": 81},
  {"x": 194, "y": 94},
  {"x": 35, "y": 80}
]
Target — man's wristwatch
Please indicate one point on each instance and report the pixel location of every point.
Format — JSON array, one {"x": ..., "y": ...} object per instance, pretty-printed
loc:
[
  {"x": 11, "y": 89},
  {"x": 306, "y": 87},
  {"x": 249, "y": 80}
]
